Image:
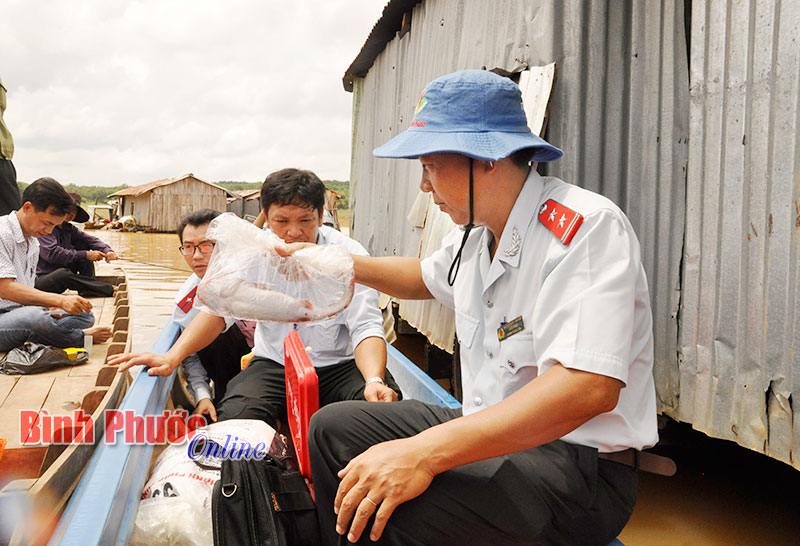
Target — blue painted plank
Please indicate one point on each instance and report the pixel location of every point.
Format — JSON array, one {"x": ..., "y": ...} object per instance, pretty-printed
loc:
[
  {"x": 102, "y": 510},
  {"x": 415, "y": 383}
]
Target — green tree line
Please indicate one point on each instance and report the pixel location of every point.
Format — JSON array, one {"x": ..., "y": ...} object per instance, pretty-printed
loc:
[{"x": 89, "y": 194}]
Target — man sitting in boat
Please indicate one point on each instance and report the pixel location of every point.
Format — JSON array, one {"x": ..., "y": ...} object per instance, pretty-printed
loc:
[
  {"x": 348, "y": 351},
  {"x": 220, "y": 360},
  {"x": 556, "y": 345},
  {"x": 67, "y": 256},
  {"x": 28, "y": 314}
]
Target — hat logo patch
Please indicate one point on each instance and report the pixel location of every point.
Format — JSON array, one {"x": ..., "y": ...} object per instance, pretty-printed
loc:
[{"x": 423, "y": 102}]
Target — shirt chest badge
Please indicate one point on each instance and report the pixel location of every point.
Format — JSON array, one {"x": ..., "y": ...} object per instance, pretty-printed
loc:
[
  {"x": 188, "y": 301},
  {"x": 560, "y": 220},
  {"x": 508, "y": 329}
]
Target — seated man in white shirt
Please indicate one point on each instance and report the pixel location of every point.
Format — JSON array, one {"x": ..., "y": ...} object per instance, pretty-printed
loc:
[
  {"x": 220, "y": 360},
  {"x": 348, "y": 351},
  {"x": 556, "y": 346},
  {"x": 28, "y": 314}
]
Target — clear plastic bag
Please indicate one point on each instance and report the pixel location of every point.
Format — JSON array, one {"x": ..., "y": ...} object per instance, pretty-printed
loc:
[
  {"x": 247, "y": 279},
  {"x": 175, "y": 507}
]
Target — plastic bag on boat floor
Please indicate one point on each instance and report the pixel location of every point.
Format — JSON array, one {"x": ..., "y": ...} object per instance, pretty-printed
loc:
[
  {"x": 247, "y": 279},
  {"x": 176, "y": 502},
  {"x": 37, "y": 358}
]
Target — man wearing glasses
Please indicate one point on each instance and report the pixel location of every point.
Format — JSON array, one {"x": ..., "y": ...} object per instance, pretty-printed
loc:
[
  {"x": 348, "y": 350},
  {"x": 219, "y": 361}
]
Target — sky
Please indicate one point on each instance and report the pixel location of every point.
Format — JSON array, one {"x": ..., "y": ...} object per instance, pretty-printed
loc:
[{"x": 109, "y": 92}]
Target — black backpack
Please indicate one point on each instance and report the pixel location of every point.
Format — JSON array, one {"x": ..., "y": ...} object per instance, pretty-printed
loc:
[{"x": 261, "y": 502}]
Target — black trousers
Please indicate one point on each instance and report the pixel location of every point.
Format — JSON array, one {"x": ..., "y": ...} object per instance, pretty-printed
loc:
[
  {"x": 9, "y": 190},
  {"x": 259, "y": 392},
  {"x": 557, "y": 493},
  {"x": 82, "y": 280},
  {"x": 222, "y": 359}
]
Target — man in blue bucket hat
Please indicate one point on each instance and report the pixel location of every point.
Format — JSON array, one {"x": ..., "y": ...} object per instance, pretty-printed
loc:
[{"x": 555, "y": 331}]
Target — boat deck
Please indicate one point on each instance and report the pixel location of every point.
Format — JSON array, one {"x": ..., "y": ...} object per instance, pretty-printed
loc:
[
  {"x": 92, "y": 387},
  {"x": 58, "y": 391}
]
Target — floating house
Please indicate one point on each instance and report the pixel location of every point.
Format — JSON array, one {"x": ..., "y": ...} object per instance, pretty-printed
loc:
[{"x": 159, "y": 205}]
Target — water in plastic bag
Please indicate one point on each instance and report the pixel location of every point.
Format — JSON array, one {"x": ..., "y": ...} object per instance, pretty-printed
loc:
[{"x": 247, "y": 279}]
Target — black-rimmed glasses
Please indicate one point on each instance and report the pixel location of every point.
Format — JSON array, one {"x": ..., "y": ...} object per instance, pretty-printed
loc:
[{"x": 205, "y": 247}]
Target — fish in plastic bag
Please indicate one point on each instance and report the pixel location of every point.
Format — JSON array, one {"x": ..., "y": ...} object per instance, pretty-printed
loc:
[{"x": 247, "y": 279}]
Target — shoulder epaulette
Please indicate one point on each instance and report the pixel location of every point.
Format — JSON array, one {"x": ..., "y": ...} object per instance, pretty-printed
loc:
[{"x": 562, "y": 221}]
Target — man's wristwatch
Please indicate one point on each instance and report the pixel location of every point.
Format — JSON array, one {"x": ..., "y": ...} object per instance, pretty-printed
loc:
[{"x": 375, "y": 379}]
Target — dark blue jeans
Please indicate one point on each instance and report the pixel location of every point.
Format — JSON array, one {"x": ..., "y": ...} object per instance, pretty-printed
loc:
[{"x": 34, "y": 323}]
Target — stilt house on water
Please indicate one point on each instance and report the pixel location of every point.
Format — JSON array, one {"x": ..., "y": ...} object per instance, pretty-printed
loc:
[
  {"x": 685, "y": 115},
  {"x": 159, "y": 205}
]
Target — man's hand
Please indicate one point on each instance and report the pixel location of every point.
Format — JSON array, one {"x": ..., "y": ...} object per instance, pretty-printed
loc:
[
  {"x": 378, "y": 481},
  {"x": 110, "y": 256},
  {"x": 291, "y": 248},
  {"x": 75, "y": 305},
  {"x": 206, "y": 407},
  {"x": 159, "y": 364},
  {"x": 94, "y": 255},
  {"x": 375, "y": 392}
]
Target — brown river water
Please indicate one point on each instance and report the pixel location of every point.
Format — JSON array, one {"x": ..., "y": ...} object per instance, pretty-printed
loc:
[
  {"x": 155, "y": 270},
  {"x": 723, "y": 494}
]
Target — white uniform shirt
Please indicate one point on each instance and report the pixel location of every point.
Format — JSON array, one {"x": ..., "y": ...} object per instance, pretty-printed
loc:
[
  {"x": 584, "y": 305},
  {"x": 186, "y": 308},
  {"x": 18, "y": 256},
  {"x": 332, "y": 341}
]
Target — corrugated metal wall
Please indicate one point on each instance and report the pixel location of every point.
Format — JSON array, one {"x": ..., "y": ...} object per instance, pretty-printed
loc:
[
  {"x": 252, "y": 207},
  {"x": 620, "y": 112},
  {"x": 236, "y": 206},
  {"x": 624, "y": 108},
  {"x": 739, "y": 320}
]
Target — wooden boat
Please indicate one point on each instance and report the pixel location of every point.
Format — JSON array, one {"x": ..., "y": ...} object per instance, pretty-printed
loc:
[
  {"x": 103, "y": 508},
  {"x": 99, "y": 216},
  {"x": 37, "y": 480}
]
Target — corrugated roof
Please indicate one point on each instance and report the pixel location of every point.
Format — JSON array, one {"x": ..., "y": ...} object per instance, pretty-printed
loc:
[
  {"x": 382, "y": 33},
  {"x": 144, "y": 188},
  {"x": 247, "y": 195}
]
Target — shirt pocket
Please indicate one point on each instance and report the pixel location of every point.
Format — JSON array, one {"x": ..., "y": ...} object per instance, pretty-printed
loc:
[
  {"x": 517, "y": 362},
  {"x": 326, "y": 336},
  {"x": 466, "y": 328}
]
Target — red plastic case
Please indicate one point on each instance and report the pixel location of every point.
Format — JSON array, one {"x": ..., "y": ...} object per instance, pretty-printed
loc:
[{"x": 302, "y": 396}]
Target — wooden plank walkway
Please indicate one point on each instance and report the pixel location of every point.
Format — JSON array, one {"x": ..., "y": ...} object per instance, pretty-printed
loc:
[{"x": 58, "y": 391}]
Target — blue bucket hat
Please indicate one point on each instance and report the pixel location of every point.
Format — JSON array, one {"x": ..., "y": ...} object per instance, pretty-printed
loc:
[{"x": 474, "y": 113}]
